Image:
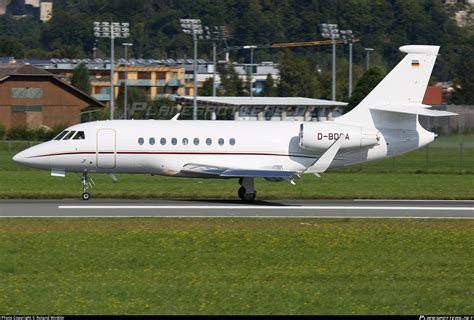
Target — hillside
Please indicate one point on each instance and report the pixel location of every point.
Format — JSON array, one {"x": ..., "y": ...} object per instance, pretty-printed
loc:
[{"x": 381, "y": 24}]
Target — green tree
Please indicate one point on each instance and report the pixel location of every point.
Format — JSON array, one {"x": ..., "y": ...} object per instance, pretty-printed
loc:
[
  {"x": 9, "y": 46},
  {"x": 81, "y": 78},
  {"x": 155, "y": 30},
  {"x": 163, "y": 108},
  {"x": 297, "y": 78},
  {"x": 269, "y": 87},
  {"x": 206, "y": 89},
  {"x": 464, "y": 84},
  {"x": 137, "y": 98},
  {"x": 138, "y": 102},
  {"x": 72, "y": 29},
  {"x": 367, "y": 82},
  {"x": 232, "y": 85}
]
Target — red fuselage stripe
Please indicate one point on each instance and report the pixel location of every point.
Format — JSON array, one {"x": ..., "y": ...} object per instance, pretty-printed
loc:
[{"x": 178, "y": 153}]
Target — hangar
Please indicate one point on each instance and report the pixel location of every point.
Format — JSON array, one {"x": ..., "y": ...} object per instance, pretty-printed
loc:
[{"x": 32, "y": 97}]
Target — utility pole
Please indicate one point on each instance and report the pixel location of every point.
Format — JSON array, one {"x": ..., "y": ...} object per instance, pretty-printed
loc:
[
  {"x": 368, "y": 51},
  {"x": 251, "y": 68}
]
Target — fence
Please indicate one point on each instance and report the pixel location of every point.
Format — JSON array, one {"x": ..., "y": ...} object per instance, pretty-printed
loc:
[
  {"x": 16, "y": 146},
  {"x": 449, "y": 153},
  {"x": 463, "y": 122},
  {"x": 453, "y": 153}
]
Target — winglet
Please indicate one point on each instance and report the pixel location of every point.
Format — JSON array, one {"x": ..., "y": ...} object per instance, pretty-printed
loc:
[
  {"x": 176, "y": 116},
  {"x": 323, "y": 163}
]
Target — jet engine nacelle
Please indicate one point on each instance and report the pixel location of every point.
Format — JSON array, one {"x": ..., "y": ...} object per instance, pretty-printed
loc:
[{"x": 321, "y": 135}]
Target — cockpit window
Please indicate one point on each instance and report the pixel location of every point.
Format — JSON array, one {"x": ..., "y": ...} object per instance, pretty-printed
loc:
[
  {"x": 79, "y": 136},
  {"x": 69, "y": 135},
  {"x": 61, "y": 135}
]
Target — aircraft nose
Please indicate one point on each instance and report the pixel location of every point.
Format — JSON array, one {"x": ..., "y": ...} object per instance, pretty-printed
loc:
[
  {"x": 19, "y": 157},
  {"x": 31, "y": 157}
]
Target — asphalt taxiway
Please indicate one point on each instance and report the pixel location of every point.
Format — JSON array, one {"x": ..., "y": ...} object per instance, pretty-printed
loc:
[{"x": 369, "y": 209}]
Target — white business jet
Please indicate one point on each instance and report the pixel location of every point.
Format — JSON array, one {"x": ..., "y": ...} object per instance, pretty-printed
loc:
[{"x": 384, "y": 124}]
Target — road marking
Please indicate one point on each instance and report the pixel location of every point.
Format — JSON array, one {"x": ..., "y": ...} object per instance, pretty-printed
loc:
[
  {"x": 250, "y": 217},
  {"x": 95, "y": 207},
  {"x": 407, "y": 200}
]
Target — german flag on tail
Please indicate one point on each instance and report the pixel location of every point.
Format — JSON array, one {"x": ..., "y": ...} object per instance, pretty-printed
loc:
[{"x": 415, "y": 63}]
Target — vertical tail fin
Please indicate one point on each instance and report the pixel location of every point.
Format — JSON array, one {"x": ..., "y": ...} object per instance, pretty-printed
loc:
[{"x": 404, "y": 85}]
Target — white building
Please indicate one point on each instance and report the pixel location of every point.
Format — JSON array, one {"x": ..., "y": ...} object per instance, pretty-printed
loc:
[{"x": 46, "y": 11}]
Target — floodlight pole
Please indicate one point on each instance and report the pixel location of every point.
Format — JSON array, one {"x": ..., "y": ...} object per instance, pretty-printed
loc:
[
  {"x": 112, "y": 93},
  {"x": 350, "y": 69},
  {"x": 193, "y": 27},
  {"x": 331, "y": 31},
  {"x": 94, "y": 50},
  {"x": 125, "y": 107},
  {"x": 111, "y": 30},
  {"x": 195, "y": 76},
  {"x": 348, "y": 37},
  {"x": 214, "y": 34},
  {"x": 333, "y": 68},
  {"x": 214, "y": 53}
]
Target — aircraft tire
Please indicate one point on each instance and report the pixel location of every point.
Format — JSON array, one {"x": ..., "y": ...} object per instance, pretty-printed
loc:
[
  {"x": 86, "y": 196},
  {"x": 249, "y": 197},
  {"x": 241, "y": 193}
]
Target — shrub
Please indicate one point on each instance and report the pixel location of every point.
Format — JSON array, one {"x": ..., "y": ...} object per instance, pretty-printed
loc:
[
  {"x": 2, "y": 132},
  {"x": 20, "y": 133},
  {"x": 45, "y": 134},
  {"x": 40, "y": 134},
  {"x": 50, "y": 134}
]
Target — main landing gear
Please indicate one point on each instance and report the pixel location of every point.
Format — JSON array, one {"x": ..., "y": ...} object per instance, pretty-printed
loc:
[
  {"x": 86, "y": 184},
  {"x": 247, "y": 192}
]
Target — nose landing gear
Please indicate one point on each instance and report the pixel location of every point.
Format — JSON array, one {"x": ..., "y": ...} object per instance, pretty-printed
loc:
[
  {"x": 247, "y": 192},
  {"x": 86, "y": 184}
]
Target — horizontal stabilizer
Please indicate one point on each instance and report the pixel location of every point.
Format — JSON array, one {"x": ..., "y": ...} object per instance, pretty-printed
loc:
[
  {"x": 420, "y": 109},
  {"x": 323, "y": 163}
]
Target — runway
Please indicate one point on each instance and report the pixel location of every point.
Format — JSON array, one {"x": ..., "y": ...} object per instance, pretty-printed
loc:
[{"x": 340, "y": 209}]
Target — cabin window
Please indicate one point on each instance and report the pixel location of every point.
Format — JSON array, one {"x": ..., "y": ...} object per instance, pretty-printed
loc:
[
  {"x": 232, "y": 141},
  {"x": 163, "y": 141},
  {"x": 221, "y": 142},
  {"x": 69, "y": 135},
  {"x": 208, "y": 141},
  {"x": 174, "y": 141},
  {"x": 79, "y": 136},
  {"x": 196, "y": 141},
  {"x": 185, "y": 141},
  {"x": 61, "y": 135},
  {"x": 141, "y": 141},
  {"x": 152, "y": 141}
]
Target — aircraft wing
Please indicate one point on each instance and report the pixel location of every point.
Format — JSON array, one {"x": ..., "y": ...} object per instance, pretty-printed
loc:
[{"x": 212, "y": 171}]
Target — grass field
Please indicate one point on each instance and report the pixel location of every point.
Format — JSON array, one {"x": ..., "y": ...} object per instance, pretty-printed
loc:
[
  {"x": 443, "y": 171},
  {"x": 236, "y": 266}
]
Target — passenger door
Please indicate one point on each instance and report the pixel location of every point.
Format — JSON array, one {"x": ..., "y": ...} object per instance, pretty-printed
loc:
[{"x": 106, "y": 149}]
